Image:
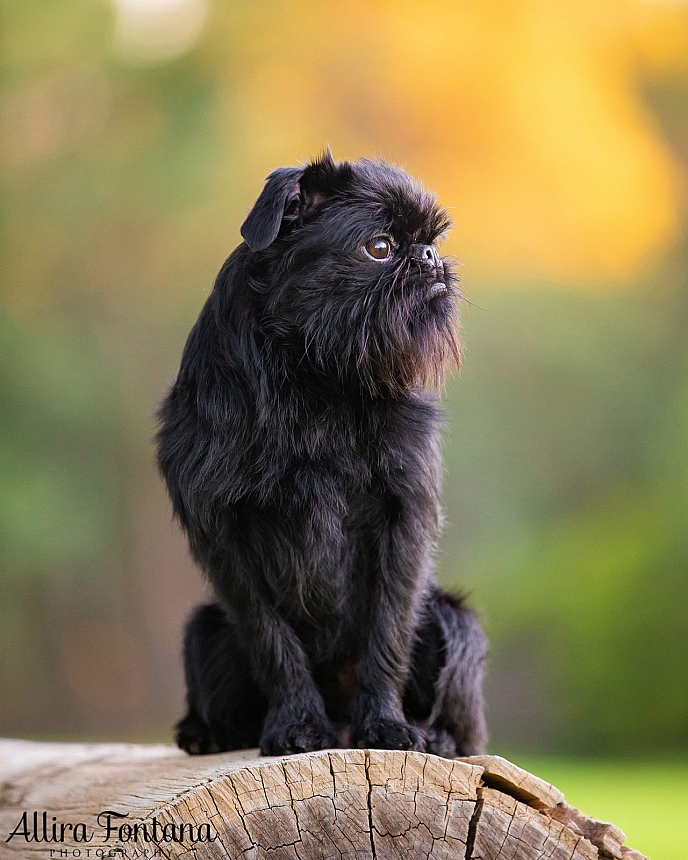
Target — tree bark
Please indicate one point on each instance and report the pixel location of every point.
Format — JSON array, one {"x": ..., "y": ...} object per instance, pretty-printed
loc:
[{"x": 141, "y": 801}]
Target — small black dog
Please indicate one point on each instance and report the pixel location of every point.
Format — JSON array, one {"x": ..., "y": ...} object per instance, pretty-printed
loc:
[{"x": 301, "y": 451}]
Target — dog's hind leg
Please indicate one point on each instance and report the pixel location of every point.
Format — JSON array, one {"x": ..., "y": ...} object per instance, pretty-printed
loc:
[
  {"x": 226, "y": 709},
  {"x": 443, "y": 694}
]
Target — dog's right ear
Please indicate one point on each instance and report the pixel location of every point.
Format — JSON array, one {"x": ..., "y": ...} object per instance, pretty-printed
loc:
[{"x": 263, "y": 222}]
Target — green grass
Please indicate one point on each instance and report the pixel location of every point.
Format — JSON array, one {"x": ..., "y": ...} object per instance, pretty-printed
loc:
[{"x": 647, "y": 800}]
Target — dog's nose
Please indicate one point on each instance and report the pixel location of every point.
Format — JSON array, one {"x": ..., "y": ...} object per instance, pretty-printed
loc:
[{"x": 426, "y": 254}]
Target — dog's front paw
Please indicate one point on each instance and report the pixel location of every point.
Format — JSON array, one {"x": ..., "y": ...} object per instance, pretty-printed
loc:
[
  {"x": 384, "y": 734},
  {"x": 193, "y": 736},
  {"x": 305, "y": 736}
]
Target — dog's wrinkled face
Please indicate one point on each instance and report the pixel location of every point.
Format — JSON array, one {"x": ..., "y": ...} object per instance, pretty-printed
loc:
[{"x": 348, "y": 274}]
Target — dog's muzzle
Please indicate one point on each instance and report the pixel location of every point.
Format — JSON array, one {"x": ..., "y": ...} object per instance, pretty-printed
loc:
[{"x": 430, "y": 260}]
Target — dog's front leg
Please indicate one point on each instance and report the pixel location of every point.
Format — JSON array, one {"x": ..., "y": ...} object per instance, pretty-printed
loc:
[
  {"x": 378, "y": 719},
  {"x": 295, "y": 721}
]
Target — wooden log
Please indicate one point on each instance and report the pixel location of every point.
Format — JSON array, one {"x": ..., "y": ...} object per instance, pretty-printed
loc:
[{"x": 136, "y": 802}]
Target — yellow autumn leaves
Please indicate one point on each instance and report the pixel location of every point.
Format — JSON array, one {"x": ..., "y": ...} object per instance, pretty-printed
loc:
[{"x": 528, "y": 118}]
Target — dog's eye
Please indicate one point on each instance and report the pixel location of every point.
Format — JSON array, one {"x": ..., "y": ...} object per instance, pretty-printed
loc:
[{"x": 379, "y": 248}]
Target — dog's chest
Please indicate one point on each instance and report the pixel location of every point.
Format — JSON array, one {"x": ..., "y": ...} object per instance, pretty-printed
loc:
[
  {"x": 399, "y": 445},
  {"x": 353, "y": 477}
]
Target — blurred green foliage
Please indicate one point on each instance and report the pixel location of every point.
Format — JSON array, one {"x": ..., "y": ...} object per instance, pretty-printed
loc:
[
  {"x": 61, "y": 431},
  {"x": 568, "y": 496},
  {"x": 567, "y": 457}
]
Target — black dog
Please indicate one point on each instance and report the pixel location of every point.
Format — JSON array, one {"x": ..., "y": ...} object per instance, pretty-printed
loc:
[{"x": 301, "y": 451}]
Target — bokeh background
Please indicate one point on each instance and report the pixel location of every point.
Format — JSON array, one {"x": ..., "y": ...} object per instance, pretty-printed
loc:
[{"x": 135, "y": 136}]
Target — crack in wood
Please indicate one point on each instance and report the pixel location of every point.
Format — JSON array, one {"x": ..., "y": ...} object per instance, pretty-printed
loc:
[
  {"x": 473, "y": 825},
  {"x": 370, "y": 805}
]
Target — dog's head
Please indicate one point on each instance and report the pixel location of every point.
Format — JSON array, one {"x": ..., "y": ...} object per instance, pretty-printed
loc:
[{"x": 348, "y": 275}]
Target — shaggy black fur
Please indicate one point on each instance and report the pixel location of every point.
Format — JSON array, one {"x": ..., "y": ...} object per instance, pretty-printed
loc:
[{"x": 300, "y": 447}]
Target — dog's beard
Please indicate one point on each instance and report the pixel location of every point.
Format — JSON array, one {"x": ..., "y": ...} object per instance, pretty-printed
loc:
[{"x": 390, "y": 337}]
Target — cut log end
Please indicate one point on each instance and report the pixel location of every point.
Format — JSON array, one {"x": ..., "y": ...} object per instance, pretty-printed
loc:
[{"x": 144, "y": 801}]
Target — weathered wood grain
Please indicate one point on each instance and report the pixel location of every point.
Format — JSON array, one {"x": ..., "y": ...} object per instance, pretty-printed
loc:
[
  {"x": 366, "y": 804},
  {"x": 504, "y": 775}
]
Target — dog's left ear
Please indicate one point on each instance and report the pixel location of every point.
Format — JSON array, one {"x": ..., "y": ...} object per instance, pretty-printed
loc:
[{"x": 263, "y": 222}]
